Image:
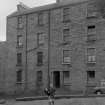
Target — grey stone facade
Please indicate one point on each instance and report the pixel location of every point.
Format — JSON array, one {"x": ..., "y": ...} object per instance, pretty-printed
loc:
[
  {"x": 80, "y": 18},
  {"x": 3, "y": 56}
]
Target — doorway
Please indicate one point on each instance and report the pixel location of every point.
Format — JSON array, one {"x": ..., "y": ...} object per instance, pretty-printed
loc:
[{"x": 56, "y": 79}]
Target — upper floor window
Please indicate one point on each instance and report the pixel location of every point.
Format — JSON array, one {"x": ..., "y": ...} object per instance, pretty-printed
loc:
[
  {"x": 66, "y": 14},
  {"x": 92, "y": 15},
  {"x": 66, "y": 34},
  {"x": 19, "y": 58},
  {"x": 20, "y": 22},
  {"x": 91, "y": 28},
  {"x": 91, "y": 54},
  {"x": 40, "y": 18},
  {"x": 19, "y": 40},
  {"x": 66, "y": 56},
  {"x": 92, "y": 10},
  {"x": 91, "y": 74},
  {"x": 19, "y": 76},
  {"x": 39, "y": 58},
  {"x": 40, "y": 38},
  {"x": 91, "y": 37}
]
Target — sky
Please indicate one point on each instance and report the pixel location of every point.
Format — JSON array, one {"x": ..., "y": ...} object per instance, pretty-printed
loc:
[{"x": 9, "y": 6}]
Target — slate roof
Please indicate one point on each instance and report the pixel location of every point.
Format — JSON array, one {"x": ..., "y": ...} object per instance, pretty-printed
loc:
[{"x": 47, "y": 7}]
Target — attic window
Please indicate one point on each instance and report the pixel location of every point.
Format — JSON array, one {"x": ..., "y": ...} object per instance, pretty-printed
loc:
[{"x": 66, "y": 15}]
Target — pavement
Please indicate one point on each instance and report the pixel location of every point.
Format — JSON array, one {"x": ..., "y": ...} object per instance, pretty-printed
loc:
[
  {"x": 59, "y": 100},
  {"x": 69, "y": 101}
]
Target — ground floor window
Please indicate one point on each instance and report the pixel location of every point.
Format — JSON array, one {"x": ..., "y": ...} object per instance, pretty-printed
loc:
[
  {"x": 66, "y": 76},
  {"x": 39, "y": 76},
  {"x": 19, "y": 76}
]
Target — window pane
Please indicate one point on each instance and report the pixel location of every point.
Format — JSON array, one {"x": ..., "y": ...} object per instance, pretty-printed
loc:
[
  {"x": 20, "y": 23},
  {"x": 91, "y": 58},
  {"x": 40, "y": 58},
  {"x": 19, "y": 59},
  {"x": 66, "y": 76},
  {"x": 91, "y": 51},
  {"x": 65, "y": 14},
  {"x": 92, "y": 10},
  {"x": 19, "y": 76},
  {"x": 66, "y": 53},
  {"x": 66, "y": 11},
  {"x": 19, "y": 19},
  {"x": 66, "y": 56},
  {"x": 40, "y": 38},
  {"x": 91, "y": 37},
  {"x": 39, "y": 76},
  {"x": 40, "y": 18},
  {"x": 66, "y": 34},
  {"x": 91, "y": 74},
  {"x": 19, "y": 40},
  {"x": 91, "y": 55},
  {"x": 91, "y": 28}
]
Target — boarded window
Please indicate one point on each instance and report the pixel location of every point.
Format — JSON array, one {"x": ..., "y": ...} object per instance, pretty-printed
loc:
[
  {"x": 92, "y": 10},
  {"x": 91, "y": 37}
]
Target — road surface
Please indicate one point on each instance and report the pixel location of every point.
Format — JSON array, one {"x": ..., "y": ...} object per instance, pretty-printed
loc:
[{"x": 72, "y": 101}]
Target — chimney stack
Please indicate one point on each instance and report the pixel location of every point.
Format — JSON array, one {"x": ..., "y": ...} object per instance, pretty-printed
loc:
[
  {"x": 58, "y": 1},
  {"x": 22, "y": 7}
]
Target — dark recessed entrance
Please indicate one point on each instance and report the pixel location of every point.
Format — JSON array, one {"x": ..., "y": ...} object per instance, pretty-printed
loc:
[{"x": 56, "y": 79}]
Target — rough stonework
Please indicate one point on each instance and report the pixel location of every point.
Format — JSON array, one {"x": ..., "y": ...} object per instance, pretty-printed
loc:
[{"x": 72, "y": 77}]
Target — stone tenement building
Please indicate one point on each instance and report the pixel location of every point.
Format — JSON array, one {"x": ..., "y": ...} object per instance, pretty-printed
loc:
[
  {"x": 3, "y": 57},
  {"x": 64, "y": 41}
]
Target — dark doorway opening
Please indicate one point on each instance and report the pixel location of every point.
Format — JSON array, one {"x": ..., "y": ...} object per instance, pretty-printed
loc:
[{"x": 56, "y": 79}]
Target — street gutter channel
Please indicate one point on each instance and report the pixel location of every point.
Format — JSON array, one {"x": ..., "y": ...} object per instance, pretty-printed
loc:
[{"x": 57, "y": 97}]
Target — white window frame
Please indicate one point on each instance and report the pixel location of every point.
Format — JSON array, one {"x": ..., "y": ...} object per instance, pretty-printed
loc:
[
  {"x": 41, "y": 36},
  {"x": 19, "y": 41},
  {"x": 91, "y": 58},
  {"x": 67, "y": 58}
]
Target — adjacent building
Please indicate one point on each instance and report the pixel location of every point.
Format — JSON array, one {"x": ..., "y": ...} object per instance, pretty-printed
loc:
[
  {"x": 63, "y": 43},
  {"x": 3, "y": 57}
]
